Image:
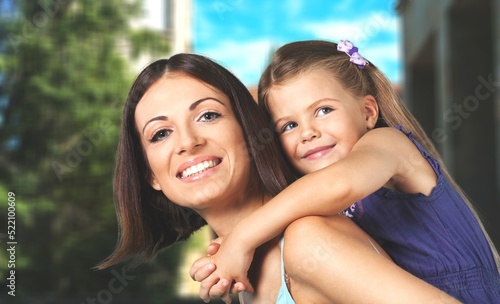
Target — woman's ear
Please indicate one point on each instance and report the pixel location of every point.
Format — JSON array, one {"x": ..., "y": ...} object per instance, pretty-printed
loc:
[
  {"x": 154, "y": 183},
  {"x": 370, "y": 107}
]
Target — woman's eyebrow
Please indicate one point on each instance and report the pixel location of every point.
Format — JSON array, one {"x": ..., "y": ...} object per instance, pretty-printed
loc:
[
  {"x": 196, "y": 103},
  {"x": 191, "y": 108},
  {"x": 161, "y": 117}
]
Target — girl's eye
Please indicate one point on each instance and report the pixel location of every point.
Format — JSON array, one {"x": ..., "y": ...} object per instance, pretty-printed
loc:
[
  {"x": 161, "y": 134},
  {"x": 209, "y": 116},
  {"x": 324, "y": 111},
  {"x": 288, "y": 126}
]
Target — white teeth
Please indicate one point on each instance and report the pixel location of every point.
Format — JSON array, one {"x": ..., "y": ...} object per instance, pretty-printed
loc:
[{"x": 198, "y": 168}]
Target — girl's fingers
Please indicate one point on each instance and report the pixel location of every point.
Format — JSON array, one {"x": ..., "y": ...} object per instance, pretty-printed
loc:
[
  {"x": 206, "y": 286},
  {"x": 213, "y": 248},
  {"x": 199, "y": 264},
  {"x": 204, "y": 272},
  {"x": 221, "y": 289},
  {"x": 238, "y": 287}
]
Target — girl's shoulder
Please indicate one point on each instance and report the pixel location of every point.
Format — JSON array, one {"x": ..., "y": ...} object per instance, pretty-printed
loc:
[
  {"x": 386, "y": 133},
  {"x": 416, "y": 171},
  {"x": 389, "y": 139}
]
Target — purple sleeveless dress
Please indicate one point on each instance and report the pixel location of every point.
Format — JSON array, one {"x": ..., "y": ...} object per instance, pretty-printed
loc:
[{"x": 435, "y": 237}]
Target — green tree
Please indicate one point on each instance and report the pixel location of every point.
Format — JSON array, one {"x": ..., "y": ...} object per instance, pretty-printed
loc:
[{"x": 66, "y": 65}]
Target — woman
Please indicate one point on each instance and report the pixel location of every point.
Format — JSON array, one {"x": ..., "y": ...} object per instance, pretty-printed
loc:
[{"x": 195, "y": 149}]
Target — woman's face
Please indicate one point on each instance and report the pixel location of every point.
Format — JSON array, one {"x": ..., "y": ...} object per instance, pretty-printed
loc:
[{"x": 193, "y": 143}]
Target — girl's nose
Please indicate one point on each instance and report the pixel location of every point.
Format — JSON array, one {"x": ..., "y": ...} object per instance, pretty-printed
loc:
[{"x": 308, "y": 133}]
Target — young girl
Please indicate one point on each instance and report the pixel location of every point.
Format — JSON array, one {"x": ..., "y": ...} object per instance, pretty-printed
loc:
[{"x": 361, "y": 151}]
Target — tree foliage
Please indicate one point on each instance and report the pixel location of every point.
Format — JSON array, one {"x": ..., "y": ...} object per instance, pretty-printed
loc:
[{"x": 66, "y": 65}]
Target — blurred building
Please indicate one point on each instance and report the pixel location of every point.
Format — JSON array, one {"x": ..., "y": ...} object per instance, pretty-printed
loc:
[
  {"x": 170, "y": 17},
  {"x": 452, "y": 81}
]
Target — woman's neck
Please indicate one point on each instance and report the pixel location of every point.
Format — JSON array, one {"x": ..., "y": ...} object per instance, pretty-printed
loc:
[
  {"x": 264, "y": 273},
  {"x": 223, "y": 218}
]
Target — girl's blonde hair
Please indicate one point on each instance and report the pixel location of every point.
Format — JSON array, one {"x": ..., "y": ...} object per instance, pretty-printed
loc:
[{"x": 301, "y": 57}]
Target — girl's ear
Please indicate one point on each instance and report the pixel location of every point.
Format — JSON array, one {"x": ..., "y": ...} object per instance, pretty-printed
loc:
[{"x": 370, "y": 107}]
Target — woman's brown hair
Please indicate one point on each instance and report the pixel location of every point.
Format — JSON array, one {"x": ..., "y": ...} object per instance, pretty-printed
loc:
[
  {"x": 148, "y": 221},
  {"x": 299, "y": 57}
]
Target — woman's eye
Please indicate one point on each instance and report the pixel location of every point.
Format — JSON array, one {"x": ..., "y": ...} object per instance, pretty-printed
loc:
[
  {"x": 161, "y": 134},
  {"x": 324, "y": 111},
  {"x": 288, "y": 126},
  {"x": 209, "y": 116}
]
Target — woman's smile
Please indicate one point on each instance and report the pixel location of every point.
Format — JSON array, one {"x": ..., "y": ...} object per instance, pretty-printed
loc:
[{"x": 198, "y": 168}]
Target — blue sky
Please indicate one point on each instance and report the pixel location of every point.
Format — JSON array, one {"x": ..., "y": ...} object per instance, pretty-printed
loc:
[{"x": 240, "y": 34}]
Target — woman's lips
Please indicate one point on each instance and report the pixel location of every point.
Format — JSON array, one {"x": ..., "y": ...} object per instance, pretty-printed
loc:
[
  {"x": 317, "y": 152},
  {"x": 194, "y": 169}
]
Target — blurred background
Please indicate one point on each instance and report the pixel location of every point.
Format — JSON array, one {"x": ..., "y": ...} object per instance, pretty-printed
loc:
[{"x": 65, "y": 70}]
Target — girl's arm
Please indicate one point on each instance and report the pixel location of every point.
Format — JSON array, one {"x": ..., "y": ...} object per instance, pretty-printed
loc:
[
  {"x": 382, "y": 155},
  {"x": 372, "y": 163}
]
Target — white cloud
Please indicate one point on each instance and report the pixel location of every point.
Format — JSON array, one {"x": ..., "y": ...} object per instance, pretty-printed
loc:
[
  {"x": 359, "y": 31},
  {"x": 245, "y": 59},
  {"x": 343, "y": 5},
  {"x": 386, "y": 56},
  {"x": 205, "y": 27},
  {"x": 293, "y": 7},
  {"x": 248, "y": 59},
  {"x": 376, "y": 36},
  {"x": 375, "y": 33}
]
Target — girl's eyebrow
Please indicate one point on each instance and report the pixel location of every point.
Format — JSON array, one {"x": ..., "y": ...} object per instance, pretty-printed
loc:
[
  {"x": 324, "y": 99},
  {"x": 312, "y": 105},
  {"x": 191, "y": 108}
]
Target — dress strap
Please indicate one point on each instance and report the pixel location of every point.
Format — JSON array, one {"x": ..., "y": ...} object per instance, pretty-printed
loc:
[
  {"x": 374, "y": 247},
  {"x": 283, "y": 274}
]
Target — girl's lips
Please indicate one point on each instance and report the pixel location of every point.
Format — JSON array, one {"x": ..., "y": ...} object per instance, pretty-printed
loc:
[{"x": 317, "y": 152}]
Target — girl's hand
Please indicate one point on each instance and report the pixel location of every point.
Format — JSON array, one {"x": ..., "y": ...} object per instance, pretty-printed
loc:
[
  {"x": 203, "y": 267},
  {"x": 232, "y": 266}
]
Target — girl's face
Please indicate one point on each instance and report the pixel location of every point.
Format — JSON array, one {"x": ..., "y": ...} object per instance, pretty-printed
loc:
[
  {"x": 317, "y": 120},
  {"x": 192, "y": 141}
]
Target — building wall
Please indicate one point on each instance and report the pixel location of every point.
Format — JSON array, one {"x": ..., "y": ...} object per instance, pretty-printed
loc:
[
  {"x": 172, "y": 18},
  {"x": 452, "y": 70}
]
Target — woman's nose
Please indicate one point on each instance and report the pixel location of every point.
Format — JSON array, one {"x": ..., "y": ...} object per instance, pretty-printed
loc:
[{"x": 188, "y": 140}]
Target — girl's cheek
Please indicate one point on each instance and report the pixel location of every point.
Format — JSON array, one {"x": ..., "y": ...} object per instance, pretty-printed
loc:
[{"x": 288, "y": 149}]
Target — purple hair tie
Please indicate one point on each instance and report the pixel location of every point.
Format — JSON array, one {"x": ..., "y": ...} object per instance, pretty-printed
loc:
[{"x": 347, "y": 47}]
